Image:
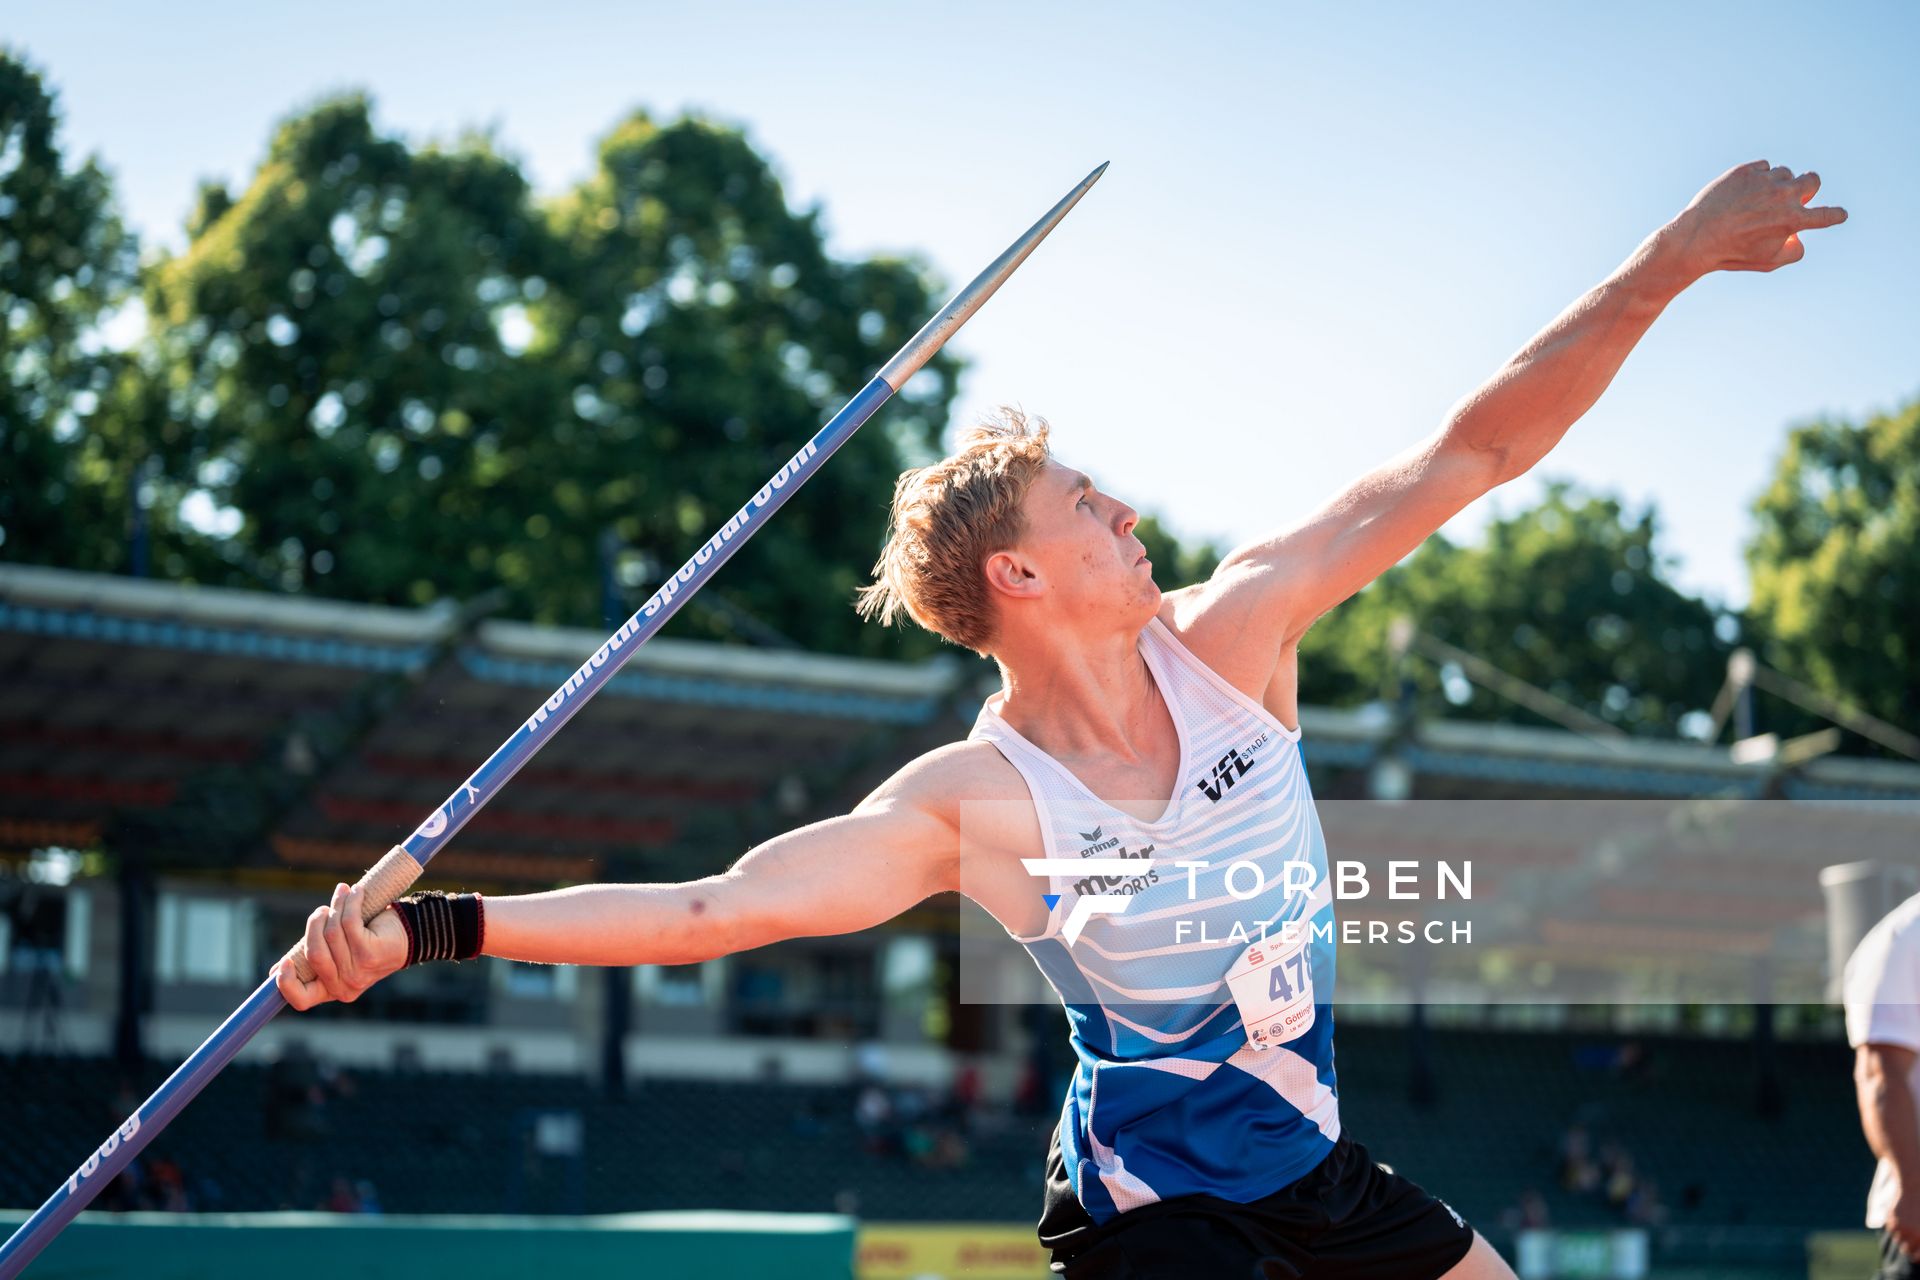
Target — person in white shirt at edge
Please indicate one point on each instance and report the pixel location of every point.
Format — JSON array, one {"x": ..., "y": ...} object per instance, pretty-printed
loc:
[
  {"x": 1881, "y": 990},
  {"x": 1005, "y": 551}
]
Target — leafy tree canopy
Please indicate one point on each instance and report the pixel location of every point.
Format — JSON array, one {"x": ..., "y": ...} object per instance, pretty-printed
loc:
[
  {"x": 1570, "y": 596},
  {"x": 1835, "y": 562},
  {"x": 405, "y": 377},
  {"x": 65, "y": 262}
]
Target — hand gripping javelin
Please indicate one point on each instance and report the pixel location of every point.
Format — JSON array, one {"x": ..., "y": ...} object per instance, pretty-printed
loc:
[{"x": 394, "y": 873}]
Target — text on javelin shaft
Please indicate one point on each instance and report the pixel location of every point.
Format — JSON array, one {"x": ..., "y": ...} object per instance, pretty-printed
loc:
[{"x": 666, "y": 593}]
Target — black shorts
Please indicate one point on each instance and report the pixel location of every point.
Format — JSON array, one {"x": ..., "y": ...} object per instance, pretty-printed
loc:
[{"x": 1348, "y": 1218}]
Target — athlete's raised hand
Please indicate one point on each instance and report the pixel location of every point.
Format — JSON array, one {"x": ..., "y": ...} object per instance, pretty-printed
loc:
[
  {"x": 346, "y": 956},
  {"x": 1749, "y": 219}
]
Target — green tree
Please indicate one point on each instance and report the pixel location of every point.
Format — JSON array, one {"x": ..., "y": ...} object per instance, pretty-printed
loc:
[
  {"x": 1835, "y": 562},
  {"x": 703, "y": 334},
  {"x": 1175, "y": 564},
  {"x": 338, "y": 343},
  {"x": 1570, "y": 596},
  {"x": 406, "y": 378},
  {"x": 65, "y": 262}
]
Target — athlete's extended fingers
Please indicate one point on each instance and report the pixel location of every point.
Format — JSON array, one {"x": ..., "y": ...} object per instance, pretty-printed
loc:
[
  {"x": 1806, "y": 185},
  {"x": 1822, "y": 215}
]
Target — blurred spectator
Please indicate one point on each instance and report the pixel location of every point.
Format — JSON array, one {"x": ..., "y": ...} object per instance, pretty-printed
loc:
[
  {"x": 1631, "y": 1062},
  {"x": 369, "y": 1197},
  {"x": 124, "y": 1192},
  {"x": 1527, "y": 1215},
  {"x": 1619, "y": 1180},
  {"x": 1578, "y": 1172},
  {"x": 949, "y": 1151},
  {"x": 295, "y": 1098},
  {"x": 166, "y": 1187},
  {"x": 1626, "y": 1060},
  {"x": 343, "y": 1198},
  {"x": 152, "y": 1185},
  {"x": 929, "y": 1132},
  {"x": 1643, "y": 1205},
  {"x": 873, "y": 1114},
  {"x": 966, "y": 1088},
  {"x": 1030, "y": 1093}
]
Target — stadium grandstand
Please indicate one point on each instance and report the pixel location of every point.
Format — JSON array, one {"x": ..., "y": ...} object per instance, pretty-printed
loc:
[{"x": 186, "y": 772}]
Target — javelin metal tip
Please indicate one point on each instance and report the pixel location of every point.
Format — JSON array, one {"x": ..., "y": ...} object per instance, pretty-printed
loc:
[{"x": 934, "y": 334}]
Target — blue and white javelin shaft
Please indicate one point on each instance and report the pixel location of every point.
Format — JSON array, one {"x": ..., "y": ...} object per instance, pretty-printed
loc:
[{"x": 402, "y": 865}]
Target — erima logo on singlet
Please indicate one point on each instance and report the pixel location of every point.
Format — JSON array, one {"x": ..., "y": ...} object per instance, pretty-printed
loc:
[
  {"x": 1095, "y": 842},
  {"x": 1232, "y": 767}
]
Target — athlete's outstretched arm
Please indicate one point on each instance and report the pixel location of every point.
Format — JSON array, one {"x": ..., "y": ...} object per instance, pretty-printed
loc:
[
  {"x": 1748, "y": 219},
  {"x": 897, "y": 848}
]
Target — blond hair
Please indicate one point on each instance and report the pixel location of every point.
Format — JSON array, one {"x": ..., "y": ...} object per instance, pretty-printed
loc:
[{"x": 947, "y": 520}]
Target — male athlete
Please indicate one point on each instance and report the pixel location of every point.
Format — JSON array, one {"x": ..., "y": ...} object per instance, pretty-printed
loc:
[{"x": 1200, "y": 1134}]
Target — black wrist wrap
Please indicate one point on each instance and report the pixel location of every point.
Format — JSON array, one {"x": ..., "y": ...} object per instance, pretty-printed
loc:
[{"x": 442, "y": 926}]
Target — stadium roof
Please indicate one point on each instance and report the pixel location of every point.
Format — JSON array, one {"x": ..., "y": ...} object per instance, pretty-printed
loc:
[
  {"x": 291, "y": 736},
  {"x": 317, "y": 733}
]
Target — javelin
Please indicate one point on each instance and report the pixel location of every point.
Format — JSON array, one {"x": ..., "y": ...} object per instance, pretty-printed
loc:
[{"x": 401, "y": 866}]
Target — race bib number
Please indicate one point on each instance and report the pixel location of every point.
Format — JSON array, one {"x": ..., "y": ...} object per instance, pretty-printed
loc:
[{"x": 1272, "y": 982}]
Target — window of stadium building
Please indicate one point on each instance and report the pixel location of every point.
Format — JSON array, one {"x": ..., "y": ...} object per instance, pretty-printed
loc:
[
  {"x": 206, "y": 940},
  {"x": 797, "y": 991},
  {"x": 682, "y": 986},
  {"x": 538, "y": 981}
]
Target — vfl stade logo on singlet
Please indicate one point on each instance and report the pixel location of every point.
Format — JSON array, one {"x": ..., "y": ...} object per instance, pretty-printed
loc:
[{"x": 1231, "y": 768}]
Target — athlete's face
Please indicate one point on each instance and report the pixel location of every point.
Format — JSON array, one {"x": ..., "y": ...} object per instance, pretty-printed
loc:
[{"x": 1080, "y": 548}]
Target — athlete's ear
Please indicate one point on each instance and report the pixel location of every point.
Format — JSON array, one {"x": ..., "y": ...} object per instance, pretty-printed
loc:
[{"x": 1010, "y": 573}]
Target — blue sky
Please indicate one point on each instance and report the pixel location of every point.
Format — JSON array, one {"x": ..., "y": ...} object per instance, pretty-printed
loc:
[{"x": 1322, "y": 227}]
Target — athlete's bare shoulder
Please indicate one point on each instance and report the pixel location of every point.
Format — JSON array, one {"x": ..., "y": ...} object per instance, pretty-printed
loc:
[
  {"x": 950, "y": 780},
  {"x": 984, "y": 805},
  {"x": 1215, "y": 620}
]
